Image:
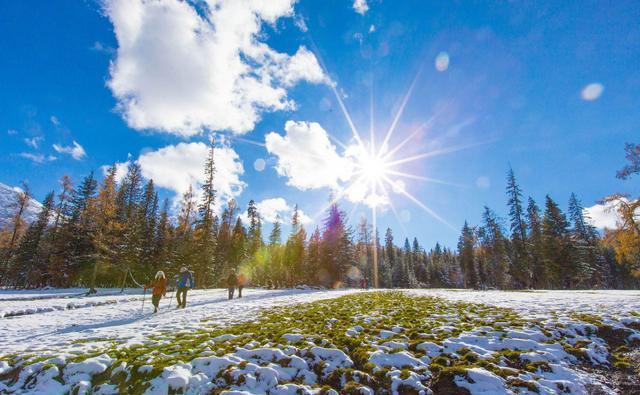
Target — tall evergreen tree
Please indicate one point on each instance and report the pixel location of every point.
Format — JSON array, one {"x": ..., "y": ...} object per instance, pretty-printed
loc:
[
  {"x": 520, "y": 265},
  {"x": 539, "y": 277},
  {"x": 494, "y": 243},
  {"x": 238, "y": 244},
  {"x": 313, "y": 257},
  {"x": 205, "y": 237},
  {"x": 467, "y": 259},
  {"x": 556, "y": 245},
  {"x": 584, "y": 247},
  {"x": 336, "y": 248},
  {"x": 254, "y": 233}
]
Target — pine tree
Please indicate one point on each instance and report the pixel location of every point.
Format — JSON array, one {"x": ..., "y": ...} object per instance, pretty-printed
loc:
[
  {"x": 238, "y": 244},
  {"x": 275, "y": 237},
  {"x": 205, "y": 238},
  {"x": 128, "y": 202},
  {"x": 540, "y": 277},
  {"x": 420, "y": 263},
  {"x": 364, "y": 248},
  {"x": 584, "y": 247},
  {"x": 493, "y": 243},
  {"x": 294, "y": 250},
  {"x": 224, "y": 241},
  {"x": 389, "y": 260},
  {"x": 467, "y": 259},
  {"x": 162, "y": 250},
  {"x": 74, "y": 249},
  {"x": 313, "y": 257},
  {"x": 556, "y": 246},
  {"x": 336, "y": 248},
  {"x": 520, "y": 267},
  {"x": 254, "y": 233},
  {"x": 186, "y": 251},
  {"x": 147, "y": 221}
]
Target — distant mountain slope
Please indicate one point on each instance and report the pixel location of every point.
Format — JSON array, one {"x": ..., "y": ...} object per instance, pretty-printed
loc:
[{"x": 8, "y": 202}]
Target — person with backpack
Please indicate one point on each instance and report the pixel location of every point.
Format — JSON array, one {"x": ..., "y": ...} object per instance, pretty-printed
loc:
[
  {"x": 183, "y": 283},
  {"x": 159, "y": 286},
  {"x": 242, "y": 282},
  {"x": 232, "y": 282}
]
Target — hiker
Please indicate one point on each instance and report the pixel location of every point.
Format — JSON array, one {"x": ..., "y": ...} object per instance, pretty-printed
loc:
[
  {"x": 232, "y": 281},
  {"x": 242, "y": 282},
  {"x": 183, "y": 283},
  {"x": 159, "y": 285},
  {"x": 363, "y": 283}
]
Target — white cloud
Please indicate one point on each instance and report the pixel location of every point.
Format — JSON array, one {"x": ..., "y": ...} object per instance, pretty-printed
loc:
[
  {"x": 121, "y": 169},
  {"x": 307, "y": 157},
  {"x": 176, "y": 167},
  {"x": 12, "y": 132},
  {"x": 372, "y": 28},
  {"x": 180, "y": 71},
  {"x": 33, "y": 142},
  {"x": 360, "y": 6},
  {"x": 54, "y": 120},
  {"x": 38, "y": 158},
  {"x": 272, "y": 208},
  {"x": 303, "y": 66},
  {"x": 592, "y": 91},
  {"x": 76, "y": 150},
  {"x": 605, "y": 215}
]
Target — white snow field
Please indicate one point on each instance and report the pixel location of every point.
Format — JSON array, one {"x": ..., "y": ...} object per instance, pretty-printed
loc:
[
  {"x": 80, "y": 323},
  {"x": 309, "y": 342}
]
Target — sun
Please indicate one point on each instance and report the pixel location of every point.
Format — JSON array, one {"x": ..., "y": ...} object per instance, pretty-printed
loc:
[{"x": 372, "y": 167}]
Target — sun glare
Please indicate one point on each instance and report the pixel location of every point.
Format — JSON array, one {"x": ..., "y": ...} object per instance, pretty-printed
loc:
[{"x": 373, "y": 167}]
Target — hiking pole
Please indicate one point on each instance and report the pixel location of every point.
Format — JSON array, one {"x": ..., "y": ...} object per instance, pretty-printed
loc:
[
  {"x": 172, "y": 292},
  {"x": 144, "y": 294}
]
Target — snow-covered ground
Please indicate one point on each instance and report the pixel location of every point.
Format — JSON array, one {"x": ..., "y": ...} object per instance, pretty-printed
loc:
[
  {"x": 540, "y": 303},
  {"x": 494, "y": 342},
  {"x": 60, "y": 322},
  {"x": 51, "y": 319}
]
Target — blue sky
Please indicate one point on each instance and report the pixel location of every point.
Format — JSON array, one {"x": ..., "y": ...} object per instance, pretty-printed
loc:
[{"x": 551, "y": 88}]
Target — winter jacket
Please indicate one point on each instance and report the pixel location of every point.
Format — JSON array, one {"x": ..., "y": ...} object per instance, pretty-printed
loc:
[
  {"x": 159, "y": 286},
  {"x": 242, "y": 280},
  {"x": 183, "y": 278},
  {"x": 232, "y": 280}
]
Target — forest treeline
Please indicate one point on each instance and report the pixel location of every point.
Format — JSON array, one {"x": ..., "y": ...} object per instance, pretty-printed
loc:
[{"x": 105, "y": 233}]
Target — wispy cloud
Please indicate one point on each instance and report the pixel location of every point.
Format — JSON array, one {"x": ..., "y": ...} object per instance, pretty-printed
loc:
[
  {"x": 33, "y": 142},
  {"x": 76, "y": 151},
  {"x": 103, "y": 48},
  {"x": 37, "y": 158}
]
